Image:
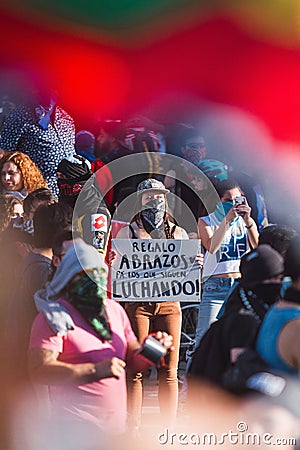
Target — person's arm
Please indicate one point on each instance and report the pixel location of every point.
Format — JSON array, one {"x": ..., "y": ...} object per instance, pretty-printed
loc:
[
  {"x": 252, "y": 234},
  {"x": 45, "y": 368},
  {"x": 288, "y": 343},
  {"x": 210, "y": 240},
  {"x": 134, "y": 356},
  {"x": 245, "y": 211}
]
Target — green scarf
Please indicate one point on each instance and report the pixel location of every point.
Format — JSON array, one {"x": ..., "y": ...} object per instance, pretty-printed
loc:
[{"x": 87, "y": 293}]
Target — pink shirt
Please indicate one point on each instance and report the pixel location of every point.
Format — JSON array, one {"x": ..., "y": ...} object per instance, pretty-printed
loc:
[{"x": 102, "y": 402}]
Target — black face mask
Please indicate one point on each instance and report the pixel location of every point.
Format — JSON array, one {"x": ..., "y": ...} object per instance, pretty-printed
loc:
[
  {"x": 268, "y": 292},
  {"x": 152, "y": 216},
  {"x": 69, "y": 188}
]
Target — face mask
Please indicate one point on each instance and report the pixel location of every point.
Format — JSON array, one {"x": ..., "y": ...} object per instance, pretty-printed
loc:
[
  {"x": 69, "y": 189},
  {"x": 222, "y": 209},
  {"x": 152, "y": 214},
  {"x": 268, "y": 292},
  {"x": 87, "y": 293},
  {"x": 192, "y": 155}
]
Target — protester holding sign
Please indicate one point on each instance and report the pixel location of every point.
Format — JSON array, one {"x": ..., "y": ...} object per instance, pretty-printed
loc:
[
  {"x": 160, "y": 269},
  {"x": 151, "y": 221}
]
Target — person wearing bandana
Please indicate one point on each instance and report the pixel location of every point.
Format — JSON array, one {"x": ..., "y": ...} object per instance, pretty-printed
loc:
[
  {"x": 278, "y": 338},
  {"x": 72, "y": 175},
  {"x": 151, "y": 221},
  {"x": 236, "y": 331},
  {"x": 76, "y": 179},
  {"x": 226, "y": 234},
  {"x": 80, "y": 344},
  {"x": 258, "y": 289}
]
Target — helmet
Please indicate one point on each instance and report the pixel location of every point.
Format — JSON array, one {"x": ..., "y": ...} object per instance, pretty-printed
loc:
[{"x": 214, "y": 169}]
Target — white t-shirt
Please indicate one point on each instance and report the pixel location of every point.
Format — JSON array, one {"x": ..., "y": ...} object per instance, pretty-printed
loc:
[{"x": 234, "y": 245}]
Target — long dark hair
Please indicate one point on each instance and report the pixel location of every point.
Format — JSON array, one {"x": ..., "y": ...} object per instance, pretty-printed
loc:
[{"x": 223, "y": 186}]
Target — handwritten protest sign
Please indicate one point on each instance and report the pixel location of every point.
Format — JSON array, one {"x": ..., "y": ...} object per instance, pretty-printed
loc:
[{"x": 156, "y": 270}]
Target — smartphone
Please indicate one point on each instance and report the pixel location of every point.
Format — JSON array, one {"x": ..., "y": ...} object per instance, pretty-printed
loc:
[{"x": 240, "y": 199}]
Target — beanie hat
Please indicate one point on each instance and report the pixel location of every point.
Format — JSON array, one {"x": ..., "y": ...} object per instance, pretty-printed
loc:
[
  {"x": 76, "y": 171},
  {"x": 85, "y": 145},
  {"x": 74, "y": 166},
  {"x": 84, "y": 140},
  {"x": 260, "y": 264}
]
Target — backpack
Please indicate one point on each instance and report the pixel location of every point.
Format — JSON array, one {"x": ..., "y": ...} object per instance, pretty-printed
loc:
[
  {"x": 237, "y": 376},
  {"x": 211, "y": 361},
  {"x": 211, "y": 358}
]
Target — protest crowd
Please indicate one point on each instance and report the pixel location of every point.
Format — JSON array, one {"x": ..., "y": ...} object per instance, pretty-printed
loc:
[{"x": 90, "y": 309}]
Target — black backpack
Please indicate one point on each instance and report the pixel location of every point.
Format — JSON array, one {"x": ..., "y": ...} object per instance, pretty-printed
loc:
[
  {"x": 211, "y": 358},
  {"x": 237, "y": 376}
]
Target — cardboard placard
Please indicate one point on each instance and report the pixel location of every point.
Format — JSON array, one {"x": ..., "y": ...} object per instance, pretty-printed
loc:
[{"x": 156, "y": 270}]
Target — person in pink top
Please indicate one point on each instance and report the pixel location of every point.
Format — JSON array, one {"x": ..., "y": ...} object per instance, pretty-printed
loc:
[{"x": 81, "y": 343}]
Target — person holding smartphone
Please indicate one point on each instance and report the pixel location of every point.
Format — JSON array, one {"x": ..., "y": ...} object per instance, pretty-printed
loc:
[{"x": 226, "y": 234}]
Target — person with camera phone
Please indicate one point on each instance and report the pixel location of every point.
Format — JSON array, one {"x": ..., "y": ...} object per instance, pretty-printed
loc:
[{"x": 226, "y": 234}]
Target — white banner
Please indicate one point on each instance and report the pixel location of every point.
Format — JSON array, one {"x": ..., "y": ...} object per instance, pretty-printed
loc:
[{"x": 156, "y": 270}]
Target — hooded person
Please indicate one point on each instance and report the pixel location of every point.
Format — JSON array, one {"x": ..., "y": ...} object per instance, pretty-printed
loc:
[
  {"x": 72, "y": 173},
  {"x": 79, "y": 189},
  {"x": 260, "y": 284},
  {"x": 78, "y": 258},
  {"x": 277, "y": 340},
  {"x": 236, "y": 331},
  {"x": 80, "y": 341}
]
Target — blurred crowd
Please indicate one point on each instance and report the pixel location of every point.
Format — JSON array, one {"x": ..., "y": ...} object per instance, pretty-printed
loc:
[{"x": 74, "y": 361}]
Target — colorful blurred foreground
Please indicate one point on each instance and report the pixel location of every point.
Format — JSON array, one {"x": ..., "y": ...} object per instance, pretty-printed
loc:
[
  {"x": 160, "y": 57},
  {"x": 233, "y": 67},
  {"x": 212, "y": 419}
]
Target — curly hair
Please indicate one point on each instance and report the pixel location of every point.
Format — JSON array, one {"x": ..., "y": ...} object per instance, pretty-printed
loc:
[
  {"x": 31, "y": 175},
  {"x": 7, "y": 203}
]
